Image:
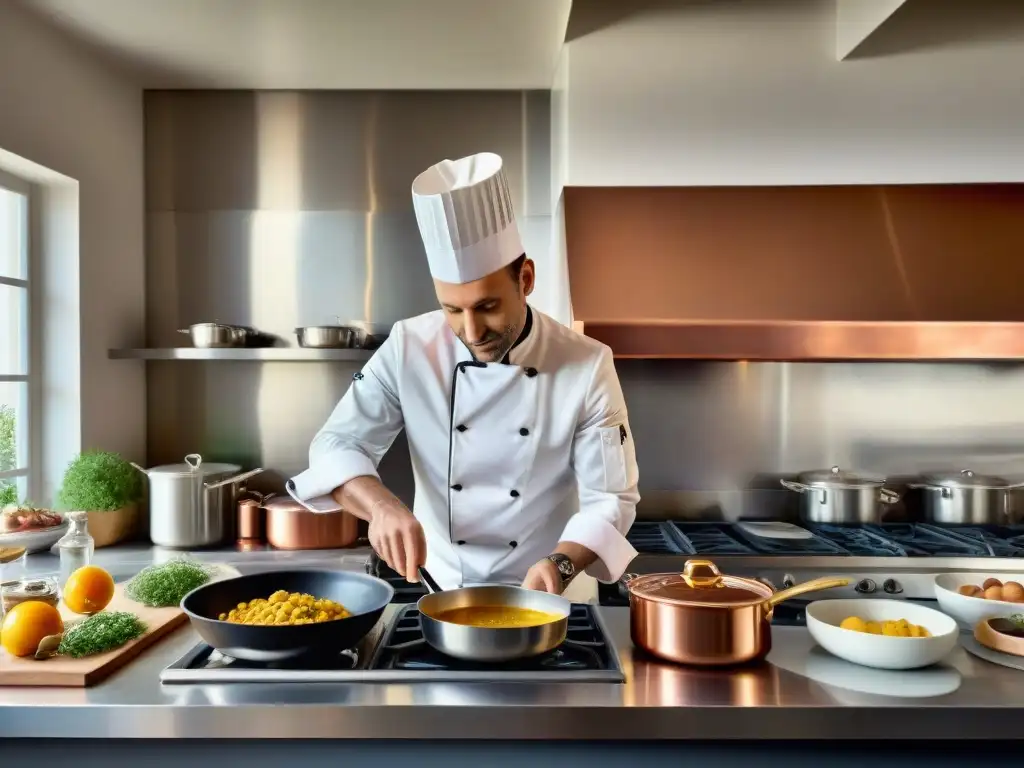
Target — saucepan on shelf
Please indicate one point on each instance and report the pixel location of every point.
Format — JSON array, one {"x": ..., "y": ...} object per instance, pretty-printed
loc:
[
  {"x": 224, "y": 335},
  {"x": 354, "y": 335},
  {"x": 705, "y": 618},
  {"x": 492, "y": 623},
  {"x": 842, "y": 497}
]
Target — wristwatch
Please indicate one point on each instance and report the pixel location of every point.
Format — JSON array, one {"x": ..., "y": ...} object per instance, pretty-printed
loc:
[{"x": 566, "y": 567}]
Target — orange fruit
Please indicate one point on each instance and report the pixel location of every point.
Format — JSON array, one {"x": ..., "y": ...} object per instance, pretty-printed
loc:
[
  {"x": 26, "y": 624},
  {"x": 88, "y": 590}
]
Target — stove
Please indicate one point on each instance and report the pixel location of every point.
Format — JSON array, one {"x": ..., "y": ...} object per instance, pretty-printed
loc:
[
  {"x": 888, "y": 560},
  {"x": 403, "y": 656}
]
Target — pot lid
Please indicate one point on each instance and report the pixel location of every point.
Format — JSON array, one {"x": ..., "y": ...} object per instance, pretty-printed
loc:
[
  {"x": 965, "y": 478},
  {"x": 700, "y": 583},
  {"x": 839, "y": 478},
  {"x": 193, "y": 466}
]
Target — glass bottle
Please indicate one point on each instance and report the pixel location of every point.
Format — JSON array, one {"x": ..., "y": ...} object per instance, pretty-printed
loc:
[{"x": 76, "y": 546}]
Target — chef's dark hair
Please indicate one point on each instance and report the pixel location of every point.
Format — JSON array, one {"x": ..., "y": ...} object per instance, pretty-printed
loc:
[{"x": 516, "y": 268}]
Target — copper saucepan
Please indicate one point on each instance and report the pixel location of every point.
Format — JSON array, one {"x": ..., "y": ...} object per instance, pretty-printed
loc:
[{"x": 705, "y": 618}]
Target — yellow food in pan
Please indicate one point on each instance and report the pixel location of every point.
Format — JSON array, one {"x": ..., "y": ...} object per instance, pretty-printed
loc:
[
  {"x": 496, "y": 616},
  {"x": 284, "y": 609}
]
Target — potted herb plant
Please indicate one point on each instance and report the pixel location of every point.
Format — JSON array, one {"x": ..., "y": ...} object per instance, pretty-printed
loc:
[{"x": 108, "y": 489}]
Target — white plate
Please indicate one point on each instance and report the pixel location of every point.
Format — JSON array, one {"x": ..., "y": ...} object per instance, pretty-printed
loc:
[
  {"x": 879, "y": 651},
  {"x": 774, "y": 530},
  {"x": 35, "y": 541},
  {"x": 968, "y": 611}
]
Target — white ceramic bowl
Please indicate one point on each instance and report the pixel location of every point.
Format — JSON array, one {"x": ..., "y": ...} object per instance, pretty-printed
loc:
[
  {"x": 968, "y": 611},
  {"x": 879, "y": 651}
]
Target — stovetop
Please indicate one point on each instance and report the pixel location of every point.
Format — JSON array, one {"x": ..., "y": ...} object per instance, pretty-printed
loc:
[
  {"x": 883, "y": 540},
  {"x": 402, "y": 655},
  {"x": 405, "y": 592}
]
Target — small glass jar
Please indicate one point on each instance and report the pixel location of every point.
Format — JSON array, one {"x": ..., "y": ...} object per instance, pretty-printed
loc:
[
  {"x": 43, "y": 590},
  {"x": 75, "y": 547}
]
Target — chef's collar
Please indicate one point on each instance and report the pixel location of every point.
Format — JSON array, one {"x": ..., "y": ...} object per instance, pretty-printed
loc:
[{"x": 527, "y": 327}]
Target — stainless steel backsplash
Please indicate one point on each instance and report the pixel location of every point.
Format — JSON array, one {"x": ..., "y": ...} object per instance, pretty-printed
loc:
[{"x": 281, "y": 209}]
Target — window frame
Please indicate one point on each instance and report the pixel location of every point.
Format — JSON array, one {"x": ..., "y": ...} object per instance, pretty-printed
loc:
[{"x": 32, "y": 430}]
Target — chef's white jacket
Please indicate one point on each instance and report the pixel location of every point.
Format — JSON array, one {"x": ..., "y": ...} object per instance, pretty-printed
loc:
[{"x": 509, "y": 458}]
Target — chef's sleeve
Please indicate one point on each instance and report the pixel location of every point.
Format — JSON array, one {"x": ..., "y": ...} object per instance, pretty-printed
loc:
[
  {"x": 604, "y": 460},
  {"x": 358, "y": 432}
]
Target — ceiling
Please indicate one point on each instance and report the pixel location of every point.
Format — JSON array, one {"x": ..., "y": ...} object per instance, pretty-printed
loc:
[{"x": 335, "y": 44}]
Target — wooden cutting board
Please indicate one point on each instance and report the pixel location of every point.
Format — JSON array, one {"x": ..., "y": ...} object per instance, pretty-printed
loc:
[{"x": 81, "y": 673}]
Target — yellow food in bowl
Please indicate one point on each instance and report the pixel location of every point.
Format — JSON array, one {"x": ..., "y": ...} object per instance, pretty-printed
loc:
[
  {"x": 285, "y": 609},
  {"x": 890, "y": 628}
]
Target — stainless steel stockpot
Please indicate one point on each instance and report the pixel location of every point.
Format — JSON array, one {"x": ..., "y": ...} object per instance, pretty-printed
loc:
[{"x": 842, "y": 497}]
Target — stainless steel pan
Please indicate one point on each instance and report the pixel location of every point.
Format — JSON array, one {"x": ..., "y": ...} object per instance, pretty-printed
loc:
[{"x": 490, "y": 644}]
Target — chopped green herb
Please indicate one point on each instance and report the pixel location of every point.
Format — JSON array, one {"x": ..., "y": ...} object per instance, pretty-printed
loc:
[
  {"x": 101, "y": 632},
  {"x": 163, "y": 585}
]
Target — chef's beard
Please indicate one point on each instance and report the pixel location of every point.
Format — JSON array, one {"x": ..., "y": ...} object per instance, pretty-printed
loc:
[{"x": 494, "y": 346}]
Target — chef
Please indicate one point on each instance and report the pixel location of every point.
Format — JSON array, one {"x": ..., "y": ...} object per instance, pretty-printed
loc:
[{"x": 522, "y": 455}]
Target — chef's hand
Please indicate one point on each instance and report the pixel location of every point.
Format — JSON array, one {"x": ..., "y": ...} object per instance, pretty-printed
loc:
[
  {"x": 397, "y": 536},
  {"x": 544, "y": 577}
]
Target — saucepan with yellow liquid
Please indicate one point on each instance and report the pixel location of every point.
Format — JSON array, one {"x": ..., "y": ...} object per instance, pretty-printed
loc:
[{"x": 492, "y": 623}]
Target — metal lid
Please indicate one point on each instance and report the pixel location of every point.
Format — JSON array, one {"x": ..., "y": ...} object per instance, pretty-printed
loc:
[
  {"x": 193, "y": 466},
  {"x": 965, "y": 478},
  {"x": 839, "y": 478},
  {"x": 30, "y": 588},
  {"x": 700, "y": 583}
]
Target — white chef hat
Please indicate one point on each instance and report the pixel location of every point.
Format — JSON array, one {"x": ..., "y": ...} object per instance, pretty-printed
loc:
[{"x": 464, "y": 211}]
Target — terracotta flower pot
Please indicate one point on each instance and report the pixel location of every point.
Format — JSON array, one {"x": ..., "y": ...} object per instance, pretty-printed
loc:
[{"x": 114, "y": 526}]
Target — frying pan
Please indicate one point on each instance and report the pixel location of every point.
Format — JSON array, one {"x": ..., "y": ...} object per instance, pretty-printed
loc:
[
  {"x": 363, "y": 595},
  {"x": 490, "y": 644}
]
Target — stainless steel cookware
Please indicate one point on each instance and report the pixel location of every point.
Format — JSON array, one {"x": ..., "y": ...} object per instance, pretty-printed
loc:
[
  {"x": 966, "y": 498},
  {"x": 490, "y": 644},
  {"x": 842, "y": 497},
  {"x": 193, "y": 504},
  {"x": 217, "y": 335}
]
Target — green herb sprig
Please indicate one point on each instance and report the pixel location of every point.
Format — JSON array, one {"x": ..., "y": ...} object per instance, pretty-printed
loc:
[
  {"x": 166, "y": 584},
  {"x": 101, "y": 632},
  {"x": 99, "y": 481}
]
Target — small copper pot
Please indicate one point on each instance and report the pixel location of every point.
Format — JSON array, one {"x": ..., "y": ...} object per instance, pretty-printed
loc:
[
  {"x": 705, "y": 618},
  {"x": 290, "y": 525}
]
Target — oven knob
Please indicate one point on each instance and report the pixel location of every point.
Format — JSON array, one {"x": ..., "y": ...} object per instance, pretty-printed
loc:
[
  {"x": 865, "y": 586},
  {"x": 788, "y": 581},
  {"x": 892, "y": 586}
]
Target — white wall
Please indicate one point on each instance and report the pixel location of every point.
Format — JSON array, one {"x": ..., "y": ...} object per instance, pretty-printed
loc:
[
  {"x": 62, "y": 109},
  {"x": 750, "y": 92}
]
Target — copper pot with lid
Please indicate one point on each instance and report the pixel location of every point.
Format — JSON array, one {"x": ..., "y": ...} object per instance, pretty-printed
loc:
[{"x": 706, "y": 618}]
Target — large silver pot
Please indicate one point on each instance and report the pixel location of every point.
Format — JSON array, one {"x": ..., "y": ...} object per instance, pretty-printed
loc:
[
  {"x": 966, "y": 498},
  {"x": 193, "y": 504},
  {"x": 219, "y": 335},
  {"x": 839, "y": 497}
]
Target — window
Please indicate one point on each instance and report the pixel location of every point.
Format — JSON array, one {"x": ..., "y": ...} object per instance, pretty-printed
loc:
[{"x": 15, "y": 361}]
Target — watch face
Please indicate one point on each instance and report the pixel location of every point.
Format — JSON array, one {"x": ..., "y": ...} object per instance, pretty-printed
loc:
[{"x": 564, "y": 567}]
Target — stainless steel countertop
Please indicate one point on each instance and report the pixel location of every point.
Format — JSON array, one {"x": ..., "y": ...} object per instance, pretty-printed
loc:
[{"x": 800, "y": 693}]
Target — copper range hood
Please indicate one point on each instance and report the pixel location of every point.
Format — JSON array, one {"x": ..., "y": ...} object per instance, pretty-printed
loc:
[{"x": 894, "y": 272}]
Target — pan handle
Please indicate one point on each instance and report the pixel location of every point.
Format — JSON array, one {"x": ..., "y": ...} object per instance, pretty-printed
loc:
[{"x": 428, "y": 580}]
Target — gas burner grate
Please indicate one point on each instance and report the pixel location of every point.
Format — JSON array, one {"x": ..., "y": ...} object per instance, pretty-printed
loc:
[
  {"x": 405, "y": 592},
  {"x": 727, "y": 539},
  {"x": 995, "y": 540},
  {"x": 654, "y": 539},
  {"x": 585, "y": 649},
  {"x": 210, "y": 658},
  {"x": 920, "y": 540},
  {"x": 859, "y": 541}
]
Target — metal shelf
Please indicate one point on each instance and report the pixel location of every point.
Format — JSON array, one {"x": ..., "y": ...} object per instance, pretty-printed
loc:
[{"x": 267, "y": 354}]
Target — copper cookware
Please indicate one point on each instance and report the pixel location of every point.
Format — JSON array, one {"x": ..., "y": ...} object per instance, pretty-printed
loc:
[
  {"x": 290, "y": 525},
  {"x": 705, "y": 618}
]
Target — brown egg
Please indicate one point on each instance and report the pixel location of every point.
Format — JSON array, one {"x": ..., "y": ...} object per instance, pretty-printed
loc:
[
  {"x": 991, "y": 583},
  {"x": 969, "y": 590},
  {"x": 1013, "y": 592},
  {"x": 994, "y": 593}
]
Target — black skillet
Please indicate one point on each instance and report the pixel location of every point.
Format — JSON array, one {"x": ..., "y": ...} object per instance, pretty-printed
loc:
[{"x": 364, "y": 596}]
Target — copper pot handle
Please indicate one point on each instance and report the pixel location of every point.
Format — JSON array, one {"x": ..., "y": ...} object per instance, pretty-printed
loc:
[
  {"x": 693, "y": 581},
  {"x": 815, "y": 585}
]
